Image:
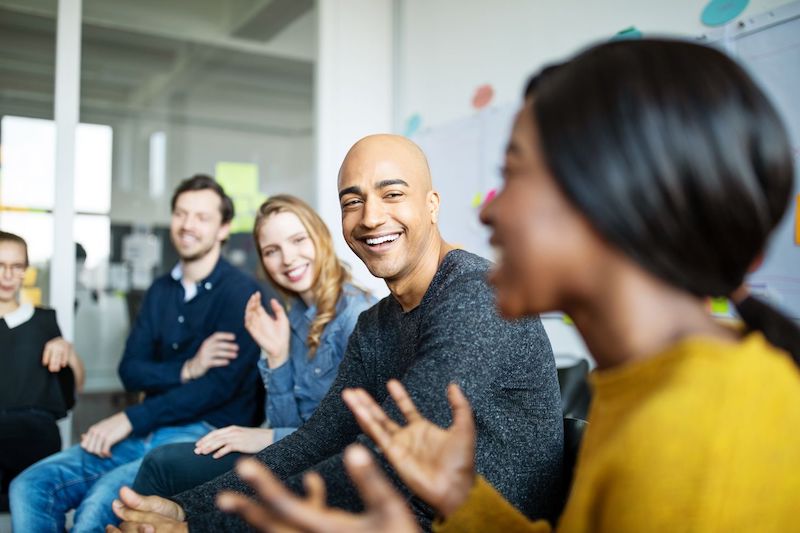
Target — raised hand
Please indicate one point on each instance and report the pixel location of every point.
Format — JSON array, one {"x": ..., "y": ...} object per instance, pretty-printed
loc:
[
  {"x": 229, "y": 439},
  {"x": 271, "y": 334},
  {"x": 281, "y": 511},
  {"x": 437, "y": 464},
  {"x": 217, "y": 350}
]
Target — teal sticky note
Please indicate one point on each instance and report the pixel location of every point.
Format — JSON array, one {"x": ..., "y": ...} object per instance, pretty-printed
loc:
[
  {"x": 719, "y": 12},
  {"x": 627, "y": 33}
]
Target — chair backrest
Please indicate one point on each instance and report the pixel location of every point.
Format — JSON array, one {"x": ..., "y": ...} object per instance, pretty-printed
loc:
[
  {"x": 573, "y": 435},
  {"x": 575, "y": 393}
]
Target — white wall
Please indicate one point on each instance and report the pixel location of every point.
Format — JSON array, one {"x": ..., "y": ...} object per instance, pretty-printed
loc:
[
  {"x": 447, "y": 48},
  {"x": 353, "y": 99},
  {"x": 450, "y": 47}
]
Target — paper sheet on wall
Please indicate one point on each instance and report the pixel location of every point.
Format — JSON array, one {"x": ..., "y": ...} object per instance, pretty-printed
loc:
[{"x": 240, "y": 181}]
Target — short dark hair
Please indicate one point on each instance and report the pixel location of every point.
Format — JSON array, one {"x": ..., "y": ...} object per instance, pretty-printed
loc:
[
  {"x": 202, "y": 182},
  {"x": 6, "y": 236},
  {"x": 672, "y": 152}
]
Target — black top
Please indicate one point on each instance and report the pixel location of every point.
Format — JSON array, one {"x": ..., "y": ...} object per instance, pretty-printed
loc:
[
  {"x": 24, "y": 382},
  {"x": 506, "y": 369}
]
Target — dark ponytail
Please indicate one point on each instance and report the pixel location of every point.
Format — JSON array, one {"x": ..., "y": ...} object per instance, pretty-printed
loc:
[
  {"x": 782, "y": 332},
  {"x": 673, "y": 153}
]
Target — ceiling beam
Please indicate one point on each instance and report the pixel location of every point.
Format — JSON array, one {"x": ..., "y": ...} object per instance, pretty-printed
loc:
[{"x": 271, "y": 18}]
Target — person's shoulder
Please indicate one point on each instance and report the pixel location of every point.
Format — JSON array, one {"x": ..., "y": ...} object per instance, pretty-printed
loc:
[
  {"x": 461, "y": 276},
  {"x": 236, "y": 281},
  {"x": 161, "y": 282},
  {"x": 42, "y": 312},
  {"x": 459, "y": 264},
  {"x": 703, "y": 392}
]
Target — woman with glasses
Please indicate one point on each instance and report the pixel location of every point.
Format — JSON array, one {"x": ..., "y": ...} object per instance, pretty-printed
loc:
[{"x": 39, "y": 370}]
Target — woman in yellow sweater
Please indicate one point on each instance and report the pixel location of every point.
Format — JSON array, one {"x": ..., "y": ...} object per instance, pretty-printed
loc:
[{"x": 641, "y": 176}]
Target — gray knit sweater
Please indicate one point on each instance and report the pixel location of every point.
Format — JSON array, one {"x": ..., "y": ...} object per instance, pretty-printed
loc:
[{"x": 505, "y": 368}]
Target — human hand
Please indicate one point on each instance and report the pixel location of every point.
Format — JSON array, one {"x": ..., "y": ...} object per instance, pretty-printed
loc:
[
  {"x": 57, "y": 353},
  {"x": 217, "y": 350},
  {"x": 271, "y": 334},
  {"x": 437, "y": 464},
  {"x": 234, "y": 439},
  {"x": 278, "y": 510},
  {"x": 147, "y": 514},
  {"x": 100, "y": 437}
]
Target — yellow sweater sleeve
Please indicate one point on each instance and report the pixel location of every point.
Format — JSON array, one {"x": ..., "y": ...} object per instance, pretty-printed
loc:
[{"x": 487, "y": 510}]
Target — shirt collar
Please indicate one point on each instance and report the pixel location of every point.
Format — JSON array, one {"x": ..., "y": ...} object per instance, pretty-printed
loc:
[
  {"x": 207, "y": 284},
  {"x": 19, "y": 316}
]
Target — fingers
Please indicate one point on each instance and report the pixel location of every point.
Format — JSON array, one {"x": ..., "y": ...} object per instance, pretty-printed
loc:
[
  {"x": 112, "y": 529},
  {"x": 369, "y": 415},
  {"x": 463, "y": 421},
  {"x": 280, "y": 502},
  {"x": 261, "y": 479},
  {"x": 56, "y": 354},
  {"x": 222, "y": 452},
  {"x": 373, "y": 486},
  {"x": 222, "y": 336},
  {"x": 92, "y": 441},
  {"x": 403, "y": 401},
  {"x": 131, "y": 498},
  {"x": 126, "y": 514},
  {"x": 277, "y": 309},
  {"x": 254, "y": 514},
  {"x": 253, "y": 302},
  {"x": 214, "y": 440},
  {"x": 316, "y": 492},
  {"x": 105, "y": 449},
  {"x": 47, "y": 354}
]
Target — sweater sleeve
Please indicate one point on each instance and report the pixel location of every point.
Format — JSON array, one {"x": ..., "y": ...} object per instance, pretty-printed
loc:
[
  {"x": 486, "y": 510},
  {"x": 327, "y": 432}
]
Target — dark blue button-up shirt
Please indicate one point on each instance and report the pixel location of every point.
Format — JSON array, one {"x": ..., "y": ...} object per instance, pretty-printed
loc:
[{"x": 169, "y": 330}]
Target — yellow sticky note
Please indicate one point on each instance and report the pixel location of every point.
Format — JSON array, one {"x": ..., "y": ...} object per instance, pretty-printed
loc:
[
  {"x": 240, "y": 181},
  {"x": 720, "y": 306},
  {"x": 476, "y": 200},
  {"x": 567, "y": 320}
]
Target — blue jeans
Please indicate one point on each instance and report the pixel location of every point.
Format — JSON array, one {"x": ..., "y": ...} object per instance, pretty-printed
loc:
[{"x": 41, "y": 496}]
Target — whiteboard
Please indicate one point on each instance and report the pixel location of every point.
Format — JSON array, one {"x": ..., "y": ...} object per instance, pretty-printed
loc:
[
  {"x": 465, "y": 155},
  {"x": 768, "y": 45}
]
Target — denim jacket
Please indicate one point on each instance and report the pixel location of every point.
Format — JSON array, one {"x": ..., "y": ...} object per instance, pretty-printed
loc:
[{"x": 295, "y": 388}]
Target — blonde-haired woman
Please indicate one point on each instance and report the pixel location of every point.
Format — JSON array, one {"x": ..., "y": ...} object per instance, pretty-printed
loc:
[{"x": 302, "y": 342}]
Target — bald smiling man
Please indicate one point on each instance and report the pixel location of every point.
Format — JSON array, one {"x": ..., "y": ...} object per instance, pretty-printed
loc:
[{"x": 439, "y": 325}]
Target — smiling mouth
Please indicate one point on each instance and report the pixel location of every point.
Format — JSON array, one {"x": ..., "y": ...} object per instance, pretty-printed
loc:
[
  {"x": 297, "y": 273},
  {"x": 187, "y": 239},
  {"x": 380, "y": 242}
]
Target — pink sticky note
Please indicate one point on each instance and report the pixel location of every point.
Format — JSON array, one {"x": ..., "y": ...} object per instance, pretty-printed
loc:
[
  {"x": 483, "y": 96},
  {"x": 490, "y": 196}
]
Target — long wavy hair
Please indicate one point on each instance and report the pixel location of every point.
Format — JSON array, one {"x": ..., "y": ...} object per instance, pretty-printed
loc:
[{"x": 330, "y": 274}]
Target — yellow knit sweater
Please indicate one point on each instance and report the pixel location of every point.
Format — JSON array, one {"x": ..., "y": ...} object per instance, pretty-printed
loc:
[{"x": 704, "y": 437}]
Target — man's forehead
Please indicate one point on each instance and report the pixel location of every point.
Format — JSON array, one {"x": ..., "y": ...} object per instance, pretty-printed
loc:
[{"x": 202, "y": 200}]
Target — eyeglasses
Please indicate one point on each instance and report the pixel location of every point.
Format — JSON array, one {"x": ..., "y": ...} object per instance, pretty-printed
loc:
[{"x": 16, "y": 269}]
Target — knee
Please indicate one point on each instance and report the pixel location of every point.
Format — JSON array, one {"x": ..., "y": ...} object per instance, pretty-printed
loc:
[
  {"x": 154, "y": 470},
  {"x": 24, "y": 485}
]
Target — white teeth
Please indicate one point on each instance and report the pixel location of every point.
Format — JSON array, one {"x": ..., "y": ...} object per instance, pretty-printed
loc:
[
  {"x": 383, "y": 239},
  {"x": 296, "y": 271}
]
